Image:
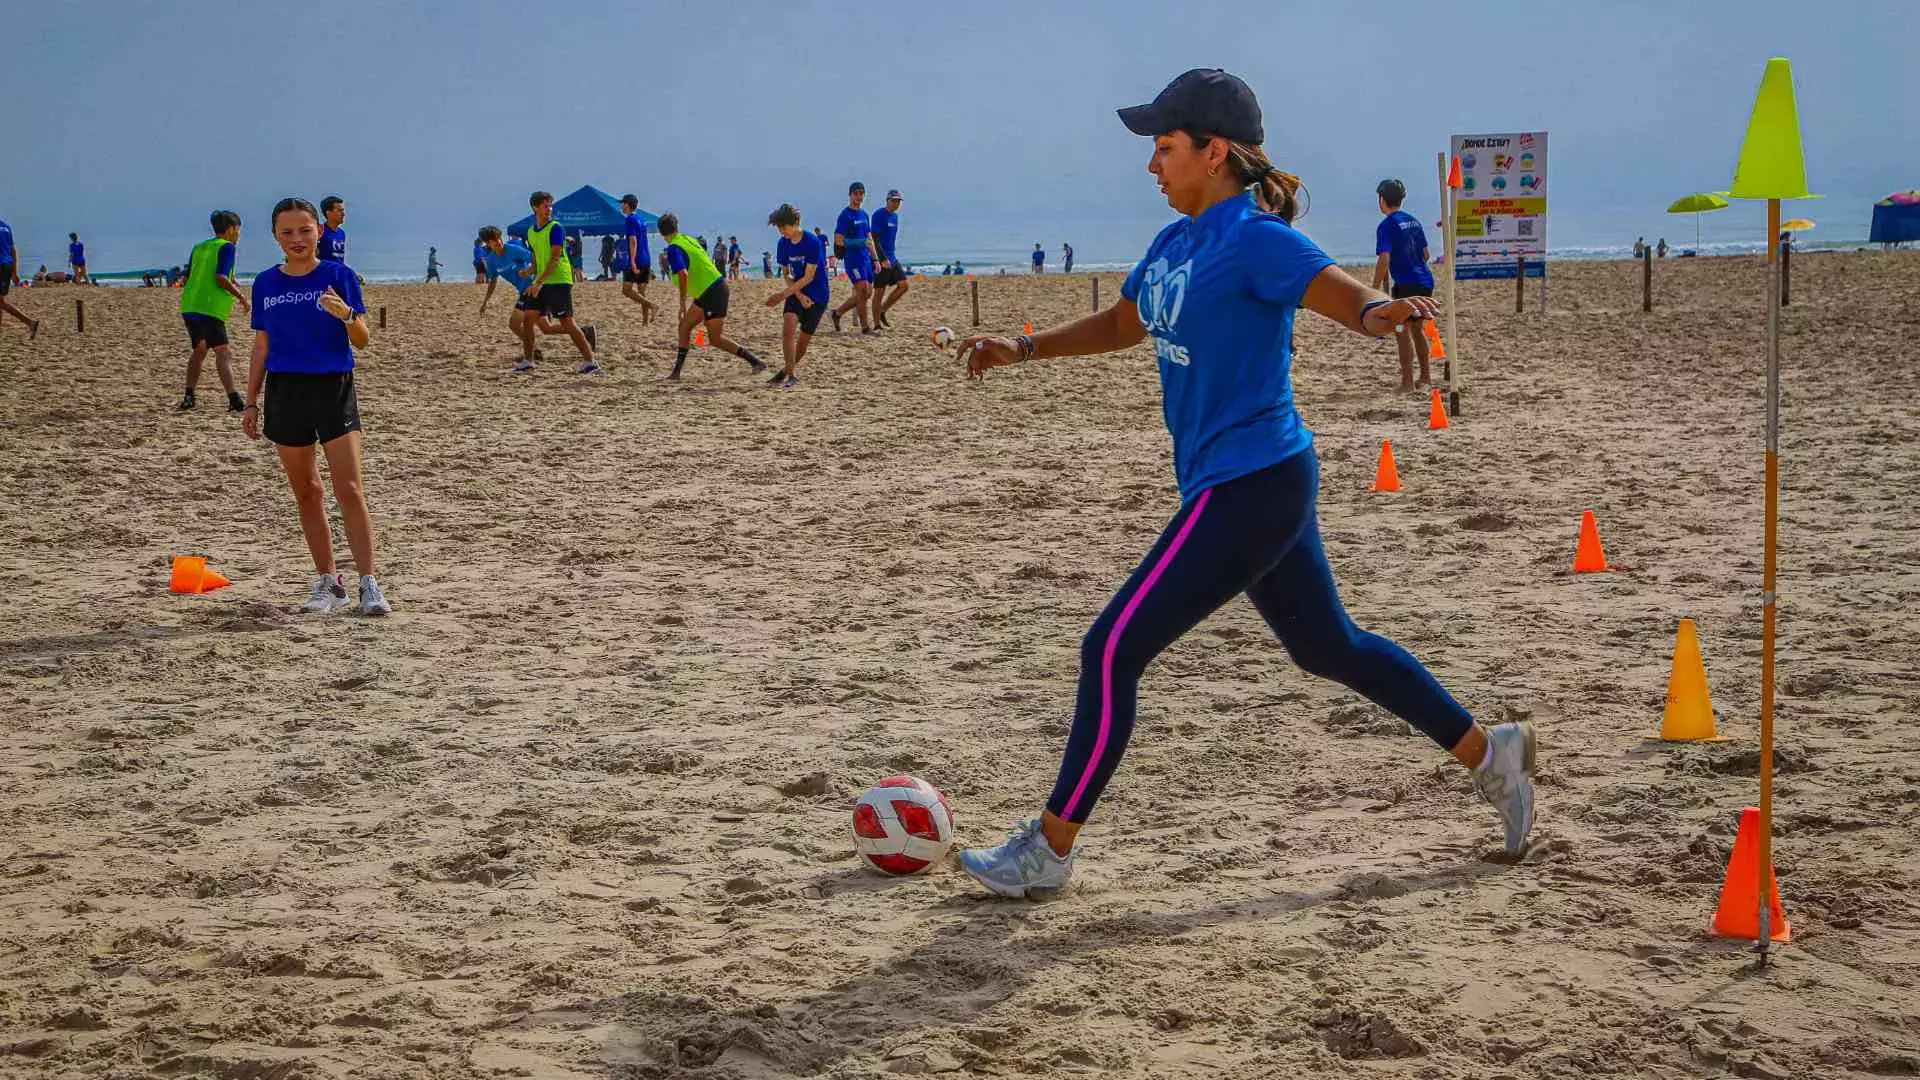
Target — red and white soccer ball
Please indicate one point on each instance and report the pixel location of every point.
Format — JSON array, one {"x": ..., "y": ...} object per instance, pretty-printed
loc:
[{"x": 902, "y": 825}]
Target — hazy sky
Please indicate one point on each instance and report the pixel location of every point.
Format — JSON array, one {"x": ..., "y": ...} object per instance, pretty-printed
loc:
[{"x": 129, "y": 120}]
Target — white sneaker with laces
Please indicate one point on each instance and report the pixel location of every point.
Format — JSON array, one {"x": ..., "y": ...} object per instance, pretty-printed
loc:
[
  {"x": 1023, "y": 867},
  {"x": 1507, "y": 781},
  {"x": 371, "y": 602},
  {"x": 329, "y": 595}
]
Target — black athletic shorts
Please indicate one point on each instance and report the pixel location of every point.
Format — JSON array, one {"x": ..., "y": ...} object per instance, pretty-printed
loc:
[
  {"x": 521, "y": 303},
  {"x": 809, "y": 317},
  {"x": 637, "y": 277},
  {"x": 6, "y": 279},
  {"x": 205, "y": 330},
  {"x": 554, "y": 301},
  {"x": 479, "y": 266},
  {"x": 713, "y": 302},
  {"x": 889, "y": 274},
  {"x": 305, "y": 409},
  {"x": 1401, "y": 292}
]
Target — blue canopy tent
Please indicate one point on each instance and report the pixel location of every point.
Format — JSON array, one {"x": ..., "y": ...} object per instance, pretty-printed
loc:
[
  {"x": 1896, "y": 219},
  {"x": 587, "y": 212}
]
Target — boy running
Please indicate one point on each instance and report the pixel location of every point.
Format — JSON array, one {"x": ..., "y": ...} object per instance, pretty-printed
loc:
[
  {"x": 206, "y": 300},
  {"x": 9, "y": 277},
  {"x": 805, "y": 296},
  {"x": 703, "y": 297},
  {"x": 550, "y": 294}
]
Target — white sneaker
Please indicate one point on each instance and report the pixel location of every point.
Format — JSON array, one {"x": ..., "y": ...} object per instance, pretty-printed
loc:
[
  {"x": 1507, "y": 781},
  {"x": 329, "y": 595},
  {"x": 371, "y": 602},
  {"x": 1023, "y": 867}
]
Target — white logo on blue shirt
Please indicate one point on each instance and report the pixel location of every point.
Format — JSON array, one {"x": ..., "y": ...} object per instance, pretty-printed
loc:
[{"x": 1163, "y": 293}]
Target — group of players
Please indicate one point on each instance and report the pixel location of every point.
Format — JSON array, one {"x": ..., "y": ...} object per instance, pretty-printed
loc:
[{"x": 541, "y": 275}]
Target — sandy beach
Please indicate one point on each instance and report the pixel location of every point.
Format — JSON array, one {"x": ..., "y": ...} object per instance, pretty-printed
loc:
[{"x": 581, "y": 807}]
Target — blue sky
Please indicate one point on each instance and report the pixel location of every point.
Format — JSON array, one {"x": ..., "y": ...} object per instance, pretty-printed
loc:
[{"x": 128, "y": 120}]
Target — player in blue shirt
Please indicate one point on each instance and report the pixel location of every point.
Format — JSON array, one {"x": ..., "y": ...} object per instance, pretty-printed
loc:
[
  {"x": 890, "y": 281},
  {"x": 1401, "y": 245},
  {"x": 333, "y": 238},
  {"x": 853, "y": 242},
  {"x": 1217, "y": 291},
  {"x": 1039, "y": 259},
  {"x": 509, "y": 263},
  {"x": 10, "y": 277},
  {"x": 77, "y": 258},
  {"x": 479, "y": 261},
  {"x": 806, "y": 295},
  {"x": 308, "y": 318},
  {"x": 639, "y": 269}
]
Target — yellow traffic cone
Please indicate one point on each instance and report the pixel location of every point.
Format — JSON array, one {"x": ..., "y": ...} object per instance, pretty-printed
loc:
[{"x": 1689, "y": 715}]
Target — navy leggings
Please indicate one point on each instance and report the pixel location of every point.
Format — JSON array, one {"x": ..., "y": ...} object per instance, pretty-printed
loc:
[{"x": 1256, "y": 535}]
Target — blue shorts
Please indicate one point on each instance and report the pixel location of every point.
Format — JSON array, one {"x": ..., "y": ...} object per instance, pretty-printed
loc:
[{"x": 859, "y": 266}]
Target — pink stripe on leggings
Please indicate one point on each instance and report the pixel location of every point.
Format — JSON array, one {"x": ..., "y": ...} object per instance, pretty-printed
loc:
[{"x": 1113, "y": 642}]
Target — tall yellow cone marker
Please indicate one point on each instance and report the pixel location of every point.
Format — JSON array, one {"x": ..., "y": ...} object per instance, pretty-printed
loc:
[
  {"x": 1689, "y": 716},
  {"x": 1771, "y": 167}
]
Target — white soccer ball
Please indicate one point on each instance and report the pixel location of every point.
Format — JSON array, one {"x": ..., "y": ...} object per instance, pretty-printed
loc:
[
  {"x": 942, "y": 337},
  {"x": 902, "y": 825}
]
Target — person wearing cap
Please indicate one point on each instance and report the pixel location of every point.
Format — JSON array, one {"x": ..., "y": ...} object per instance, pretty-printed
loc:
[
  {"x": 1217, "y": 291},
  {"x": 853, "y": 242},
  {"x": 1401, "y": 245},
  {"x": 890, "y": 280}
]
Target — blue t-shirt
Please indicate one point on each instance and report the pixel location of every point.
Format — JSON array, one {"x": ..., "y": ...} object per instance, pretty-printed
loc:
[
  {"x": 854, "y": 225},
  {"x": 1401, "y": 235},
  {"x": 795, "y": 255},
  {"x": 886, "y": 229},
  {"x": 333, "y": 244},
  {"x": 223, "y": 263},
  {"x": 6, "y": 244},
  {"x": 637, "y": 227},
  {"x": 1218, "y": 294},
  {"x": 513, "y": 267},
  {"x": 676, "y": 259},
  {"x": 77, "y": 253},
  {"x": 304, "y": 338},
  {"x": 479, "y": 253},
  {"x": 1039, "y": 257}
]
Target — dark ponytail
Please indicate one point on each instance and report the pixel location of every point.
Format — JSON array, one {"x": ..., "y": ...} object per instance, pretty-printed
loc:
[{"x": 1277, "y": 191}]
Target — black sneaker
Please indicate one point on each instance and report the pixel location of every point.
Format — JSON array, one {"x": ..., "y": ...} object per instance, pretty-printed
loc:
[
  {"x": 758, "y": 367},
  {"x": 186, "y": 401},
  {"x": 236, "y": 403},
  {"x": 778, "y": 378},
  {"x": 593, "y": 344},
  {"x": 836, "y": 321}
]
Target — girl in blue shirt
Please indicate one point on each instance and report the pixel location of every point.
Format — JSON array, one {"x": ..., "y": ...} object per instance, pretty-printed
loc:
[
  {"x": 1217, "y": 291},
  {"x": 308, "y": 318}
]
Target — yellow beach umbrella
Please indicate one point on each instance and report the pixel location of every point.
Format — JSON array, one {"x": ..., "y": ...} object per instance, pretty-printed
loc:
[
  {"x": 1798, "y": 224},
  {"x": 1700, "y": 202}
]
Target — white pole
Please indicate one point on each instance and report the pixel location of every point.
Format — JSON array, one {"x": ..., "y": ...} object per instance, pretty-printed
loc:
[{"x": 1456, "y": 357}]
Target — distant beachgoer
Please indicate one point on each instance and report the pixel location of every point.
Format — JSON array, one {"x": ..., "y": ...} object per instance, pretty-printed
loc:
[
  {"x": 1640, "y": 248},
  {"x": 1039, "y": 259},
  {"x": 703, "y": 297},
  {"x": 303, "y": 359},
  {"x": 479, "y": 261},
  {"x": 551, "y": 290},
  {"x": 1401, "y": 245},
  {"x": 959, "y": 268},
  {"x": 806, "y": 296},
  {"x": 853, "y": 242},
  {"x": 720, "y": 255},
  {"x": 766, "y": 265},
  {"x": 77, "y": 257},
  {"x": 433, "y": 264},
  {"x": 606, "y": 257},
  {"x": 206, "y": 300},
  {"x": 832, "y": 263},
  {"x": 333, "y": 238},
  {"x": 736, "y": 262},
  {"x": 639, "y": 270},
  {"x": 10, "y": 277},
  {"x": 1217, "y": 292},
  {"x": 1662, "y": 252},
  {"x": 890, "y": 280},
  {"x": 1066, "y": 257}
]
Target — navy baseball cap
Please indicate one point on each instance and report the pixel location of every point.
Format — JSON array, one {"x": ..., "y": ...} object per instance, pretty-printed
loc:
[
  {"x": 894, "y": 194},
  {"x": 1204, "y": 101}
]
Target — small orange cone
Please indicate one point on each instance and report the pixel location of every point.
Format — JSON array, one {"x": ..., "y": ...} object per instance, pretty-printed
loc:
[
  {"x": 191, "y": 576},
  {"x": 1029, "y": 330},
  {"x": 1386, "y": 477},
  {"x": 1437, "y": 413},
  {"x": 1588, "y": 556},
  {"x": 1739, "y": 913},
  {"x": 700, "y": 339},
  {"x": 1436, "y": 350},
  {"x": 1689, "y": 715}
]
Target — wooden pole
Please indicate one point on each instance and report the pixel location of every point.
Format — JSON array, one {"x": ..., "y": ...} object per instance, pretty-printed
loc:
[
  {"x": 1520, "y": 285},
  {"x": 383, "y": 316},
  {"x": 1786, "y": 274},
  {"x": 1096, "y": 294},
  {"x": 1646, "y": 280},
  {"x": 1767, "y": 574},
  {"x": 79, "y": 316},
  {"x": 973, "y": 289}
]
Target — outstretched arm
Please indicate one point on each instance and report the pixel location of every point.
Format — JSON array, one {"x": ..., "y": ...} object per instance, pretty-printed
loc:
[
  {"x": 1335, "y": 294},
  {"x": 1102, "y": 332}
]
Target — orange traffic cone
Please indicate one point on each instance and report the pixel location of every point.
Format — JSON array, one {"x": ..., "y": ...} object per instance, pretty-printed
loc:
[
  {"x": 700, "y": 339},
  {"x": 1436, "y": 413},
  {"x": 1386, "y": 477},
  {"x": 1029, "y": 330},
  {"x": 1588, "y": 556},
  {"x": 1453, "y": 173},
  {"x": 1435, "y": 349},
  {"x": 1689, "y": 715},
  {"x": 1739, "y": 913},
  {"x": 192, "y": 577}
]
